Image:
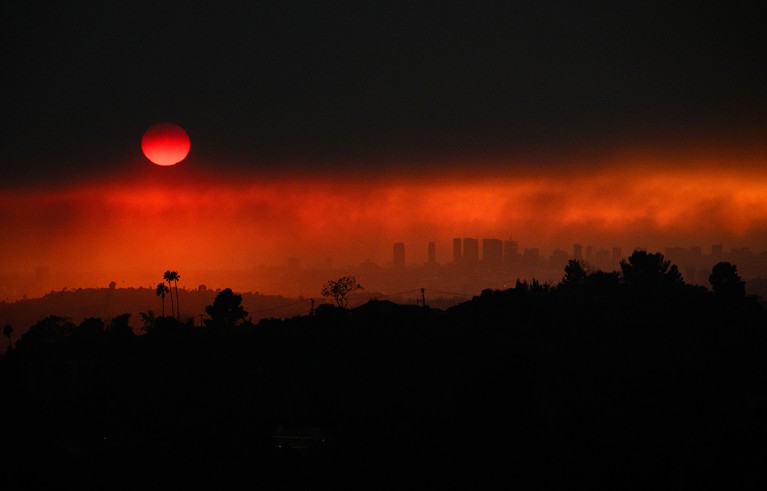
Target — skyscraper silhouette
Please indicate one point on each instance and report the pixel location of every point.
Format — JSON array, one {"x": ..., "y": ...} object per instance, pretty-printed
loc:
[
  {"x": 470, "y": 251},
  {"x": 616, "y": 254},
  {"x": 510, "y": 254},
  {"x": 457, "y": 255},
  {"x": 492, "y": 254}
]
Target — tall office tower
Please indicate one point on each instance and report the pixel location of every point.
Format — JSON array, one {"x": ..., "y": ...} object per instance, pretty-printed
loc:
[
  {"x": 716, "y": 251},
  {"x": 470, "y": 251},
  {"x": 602, "y": 257},
  {"x": 617, "y": 254},
  {"x": 676, "y": 254},
  {"x": 558, "y": 258},
  {"x": 577, "y": 251},
  {"x": 510, "y": 250},
  {"x": 399, "y": 255},
  {"x": 457, "y": 255},
  {"x": 492, "y": 254},
  {"x": 532, "y": 255},
  {"x": 432, "y": 253},
  {"x": 696, "y": 252},
  {"x": 510, "y": 254},
  {"x": 589, "y": 253}
]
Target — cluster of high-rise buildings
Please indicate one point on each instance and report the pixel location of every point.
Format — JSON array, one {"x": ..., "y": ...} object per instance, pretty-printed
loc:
[{"x": 493, "y": 256}]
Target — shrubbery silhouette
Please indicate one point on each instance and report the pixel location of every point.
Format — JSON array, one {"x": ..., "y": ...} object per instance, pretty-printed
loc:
[{"x": 623, "y": 379}]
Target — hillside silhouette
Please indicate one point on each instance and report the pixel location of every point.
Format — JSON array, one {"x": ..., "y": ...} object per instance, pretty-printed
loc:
[{"x": 630, "y": 379}]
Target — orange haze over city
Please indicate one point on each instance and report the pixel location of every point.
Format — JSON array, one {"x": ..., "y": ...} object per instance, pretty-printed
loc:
[{"x": 132, "y": 229}]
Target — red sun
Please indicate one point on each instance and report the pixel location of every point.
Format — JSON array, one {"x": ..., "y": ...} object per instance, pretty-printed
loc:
[{"x": 165, "y": 144}]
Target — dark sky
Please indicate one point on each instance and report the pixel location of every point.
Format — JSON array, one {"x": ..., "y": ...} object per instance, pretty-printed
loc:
[{"x": 333, "y": 84}]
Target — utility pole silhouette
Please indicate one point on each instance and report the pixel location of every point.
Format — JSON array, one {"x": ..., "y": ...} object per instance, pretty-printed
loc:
[{"x": 423, "y": 298}]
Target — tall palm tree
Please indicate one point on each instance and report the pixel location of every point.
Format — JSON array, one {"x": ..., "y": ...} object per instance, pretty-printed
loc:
[
  {"x": 168, "y": 277},
  {"x": 148, "y": 318},
  {"x": 161, "y": 290},
  {"x": 174, "y": 276}
]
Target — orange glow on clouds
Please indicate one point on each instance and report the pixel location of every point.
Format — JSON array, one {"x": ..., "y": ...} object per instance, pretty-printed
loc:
[{"x": 242, "y": 223}]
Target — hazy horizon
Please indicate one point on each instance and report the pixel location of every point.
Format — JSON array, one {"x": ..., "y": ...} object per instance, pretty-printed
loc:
[
  {"x": 330, "y": 133},
  {"x": 299, "y": 277}
]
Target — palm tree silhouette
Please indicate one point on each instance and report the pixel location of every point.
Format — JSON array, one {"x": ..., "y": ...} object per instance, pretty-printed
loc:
[
  {"x": 174, "y": 276},
  {"x": 167, "y": 277},
  {"x": 160, "y": 291},
  {"x": 148, "y": 319}
]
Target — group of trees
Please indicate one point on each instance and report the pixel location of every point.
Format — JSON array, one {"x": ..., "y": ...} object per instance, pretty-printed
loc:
[
  {"x": 226, "y": 311},
  {"x": 57, "y": 334},
  {"x": 620, "y": 379},
  {"x": 171, "y": 277},
  {"x": 640, "y": 274},
  {"x": 645, "y": 272}
]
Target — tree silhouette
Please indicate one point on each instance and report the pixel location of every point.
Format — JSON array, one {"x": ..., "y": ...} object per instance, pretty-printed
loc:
[
  {"x": 87, "y": 338},
  {"x": 91, "y": 327},
  {"x": 120, "y": 327},
  {"x": 47, "y": 337},
  {"x": 603, "y": 282},
  {"x": 726, "y": 282},
  {"x": 161, "y": 291},
  {"x": 340, "y": 289},
  {"x": 167, "y": 276},
  {"x": 575, "y": 274},
  {"x": 226, "y": 310},
  {"x": 650, "y": 271},
  {"x": 174, "y": 277},
  {"x": 148, "y": 319},
  {"x": 8, "y": 332}
]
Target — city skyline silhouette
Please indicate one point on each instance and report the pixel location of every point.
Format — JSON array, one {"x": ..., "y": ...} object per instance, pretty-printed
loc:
[{"x": 383, "y": 245}]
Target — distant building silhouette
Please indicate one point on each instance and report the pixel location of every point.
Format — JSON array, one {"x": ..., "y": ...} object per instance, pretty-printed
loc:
[
  {"x": 675, "y": 254},
  {"x": 602, "y": 257},
  {"x": 457, "y": 254},
  {"x": 470, "y": 251},
  {"x": 696, "y": 253},
  {"x": 492, "y": 254},
  {"x": 532, "y": 256},
  {"x": 717, "y": 252},
  {"x": 578, "y": 252},
  {"x": 617, "y": 254},
  {"x": 558, "y": 258},
  {"x": 510, "y": 254},
  {"x": 529, "y": 263},
  {"x": 399, "y": 255}
]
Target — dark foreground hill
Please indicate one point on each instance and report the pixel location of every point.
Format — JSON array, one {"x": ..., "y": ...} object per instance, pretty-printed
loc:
[
  {"x": 109, "y": 303},
  {"x": 601, "y": 383}
]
